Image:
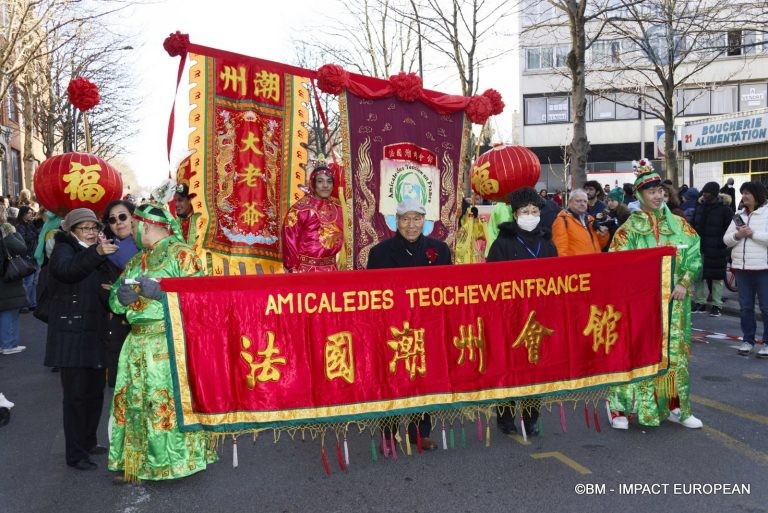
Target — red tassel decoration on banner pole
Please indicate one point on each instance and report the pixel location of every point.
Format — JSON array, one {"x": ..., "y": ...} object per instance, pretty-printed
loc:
[
  {"x": 597, "y": 421},
  {"x": 586, "y": 414},
  {"x": 326, "y": 466}
]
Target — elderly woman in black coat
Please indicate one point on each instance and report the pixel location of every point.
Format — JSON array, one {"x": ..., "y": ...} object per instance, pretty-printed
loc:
[
  {"x": 520, "y": 239},
  {"x": 12, "y": 295},
  {"x": 77, "y": 324}
]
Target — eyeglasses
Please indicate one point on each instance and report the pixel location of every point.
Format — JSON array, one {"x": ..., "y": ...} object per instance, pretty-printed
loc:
[
  {"x": 121, "y": 217},
  {"x": 92, "y": 229}
]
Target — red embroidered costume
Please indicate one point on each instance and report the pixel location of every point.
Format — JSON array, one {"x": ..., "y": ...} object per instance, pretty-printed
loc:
[{"x": 313, "y": 230}]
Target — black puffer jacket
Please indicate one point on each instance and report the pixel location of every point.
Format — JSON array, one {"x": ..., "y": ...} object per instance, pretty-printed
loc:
[
  {"x": 514, "y": 243},
  {"x": 710, "y": 220},
  {"x": 12, "y": 295},
  {"x": 77, "y": 322}
]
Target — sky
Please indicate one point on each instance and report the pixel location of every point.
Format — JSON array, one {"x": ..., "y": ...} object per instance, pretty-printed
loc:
[{"x": 258, "y": 29}]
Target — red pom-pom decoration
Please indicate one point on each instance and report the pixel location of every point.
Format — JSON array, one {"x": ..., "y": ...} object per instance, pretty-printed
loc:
[
  {"x": 497, "y": 104},
  {"x": 407, "y": 86},
  {"x": 176, "y": 44},
  {"x": 479, "y": 109},
  {"x": 332, "y": 78},
  {"x": 83, "y": 94}
]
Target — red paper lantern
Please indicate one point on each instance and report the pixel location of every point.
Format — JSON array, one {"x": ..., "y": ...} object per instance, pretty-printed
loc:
[
  {"x": 75, "y": 180},
  {"x": 503, "y": 169}
]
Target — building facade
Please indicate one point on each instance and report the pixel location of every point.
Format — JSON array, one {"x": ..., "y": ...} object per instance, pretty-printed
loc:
[{"x": 619, "y": 131}]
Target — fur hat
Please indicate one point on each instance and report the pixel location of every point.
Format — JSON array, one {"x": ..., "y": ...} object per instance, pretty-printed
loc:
[
  {"x": 77, "y": 216},
  {"x": 182, "y": 190}
]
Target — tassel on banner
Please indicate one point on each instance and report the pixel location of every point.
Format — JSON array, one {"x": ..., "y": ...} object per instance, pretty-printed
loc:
[
  {"x": 479, "y": 428},
  {"x": 234, "y": 452},
  {"x": 346, "y": 451},
  {"x": 340, "y": 457},
  {"x": 384, "y": 444},
  {"x": 562, "y": 418},
  {"x": 374, "y": 452},
  {"x": 326, "y": 466},
  {"x": 463, "y": 435},
  {"x": 597, "y": 421},
  {"x": 452, "y": 437},
  {"x": 540, "y": 426},
  {"x": 408, "y": 445},
  {"x": 392, "y": 444},
  {"x": 488, "y": 433},
  {"x": 522, "y": 426},
  {"x": 586, "y": 414},
  {"x": 445, "y": 440}
]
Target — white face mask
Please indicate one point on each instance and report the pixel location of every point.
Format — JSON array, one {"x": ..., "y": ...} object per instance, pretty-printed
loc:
[{"x": 528, "y": 222}]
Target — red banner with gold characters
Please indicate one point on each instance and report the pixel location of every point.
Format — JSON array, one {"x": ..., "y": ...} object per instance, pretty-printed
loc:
[
  {"x": 247, "y": 141},
  {"x": 253, "y": 352}
]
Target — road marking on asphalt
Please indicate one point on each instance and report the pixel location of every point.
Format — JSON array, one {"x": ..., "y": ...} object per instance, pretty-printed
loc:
[
  {"x": 755, "y": 417},
  {"x": 755, "y": 377},
  {"x": 737, "y": 445},
  {"x": 581, "y": 469}
]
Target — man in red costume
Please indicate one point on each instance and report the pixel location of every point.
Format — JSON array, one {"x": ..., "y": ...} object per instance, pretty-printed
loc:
[{"x": 313, "y": 230}]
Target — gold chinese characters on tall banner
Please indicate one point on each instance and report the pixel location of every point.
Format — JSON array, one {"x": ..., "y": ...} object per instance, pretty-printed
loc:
[{"x": 339, "y": 357}]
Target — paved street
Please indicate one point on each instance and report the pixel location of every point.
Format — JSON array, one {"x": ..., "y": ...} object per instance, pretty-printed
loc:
[{"x": 581, "y": 470}]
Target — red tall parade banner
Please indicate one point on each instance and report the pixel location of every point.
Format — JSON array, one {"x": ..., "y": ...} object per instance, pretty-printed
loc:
[{"x": 253, "y": 352}]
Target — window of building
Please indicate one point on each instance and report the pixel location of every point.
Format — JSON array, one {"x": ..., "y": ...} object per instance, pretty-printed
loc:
[
  {"x": 535, "y": 111},
  {"x": 561, "y": 56},
  {"x": 692, "y": 102},
  {"x": 626, "y": 106},
  {"x": 752, "y": 96},
  {"x": 603, "y": 107},
  {"x": 15, "y": 172},
  {"x": 606, "y": 52},
  {"x": 734, "y": 42},
  {"x": 588, "y": 111},
  {"x": 536, "y": 11},
  {"x": 540, "y": 58},
  {"x": 724, "y": 99},
  {"x": 557, "y": 109}
]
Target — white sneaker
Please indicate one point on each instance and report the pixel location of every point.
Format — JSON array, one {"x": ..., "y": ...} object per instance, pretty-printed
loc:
[
  {"x": 763, "y": 353},
  {"x": 620, "y": 422},
  {"x": 745, "y": 348},
  {"x": 690, "y": 422},
  {"x": 5, "y": 403},
  {"x": 14, "y": 350}
]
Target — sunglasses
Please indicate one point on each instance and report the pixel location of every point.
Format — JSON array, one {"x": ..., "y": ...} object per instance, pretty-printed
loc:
[{"x": 121, "y": 217}]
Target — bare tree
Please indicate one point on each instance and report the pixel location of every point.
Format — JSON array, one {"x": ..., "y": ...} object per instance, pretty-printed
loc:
[
  {"x": 372, "y": 39},
  {"x": 665, "y": 45},
  {"x": 319, "y": 140}
]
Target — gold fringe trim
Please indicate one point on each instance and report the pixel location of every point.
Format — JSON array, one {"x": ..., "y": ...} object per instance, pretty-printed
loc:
[{"x": 131, "y": 465}]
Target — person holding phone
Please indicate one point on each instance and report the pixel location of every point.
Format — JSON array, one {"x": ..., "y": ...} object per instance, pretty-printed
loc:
[
  {"x": 117, "y": 226},
  {"x": 747, "y": 237},
  {"x": 77, "y": 327}
]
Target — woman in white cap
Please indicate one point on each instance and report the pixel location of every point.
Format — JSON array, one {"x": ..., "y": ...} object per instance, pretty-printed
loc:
[{"x": 77, "y": 328}]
